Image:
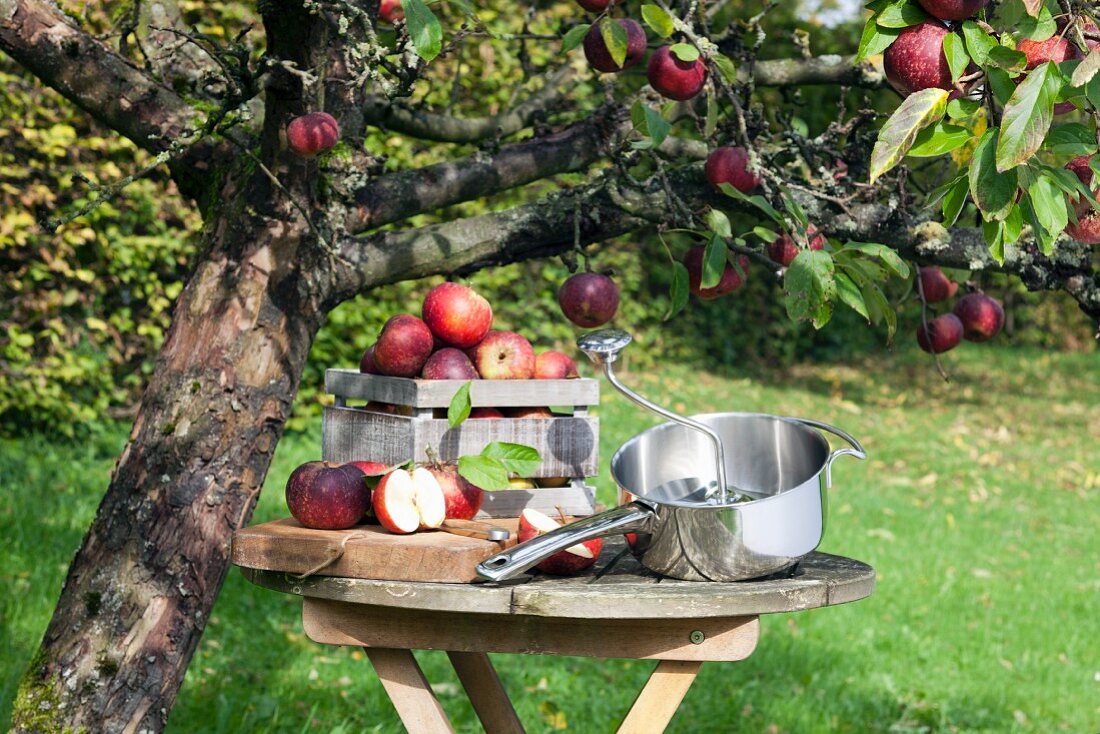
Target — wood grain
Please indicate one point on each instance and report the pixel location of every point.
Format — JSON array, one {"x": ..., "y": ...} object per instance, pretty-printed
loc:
[
  {"x": 486, "y": 693},
  {"x": 340, "y": 623},
  {"x": 368, "y": 552},
  {"x": 409, "y": 691},
  {"x": 351, "y": 384},
  {"x": 657, "y": 702}
]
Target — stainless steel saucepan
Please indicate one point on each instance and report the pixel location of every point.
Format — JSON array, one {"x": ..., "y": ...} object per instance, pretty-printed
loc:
[{"x": 718, "y": 497}]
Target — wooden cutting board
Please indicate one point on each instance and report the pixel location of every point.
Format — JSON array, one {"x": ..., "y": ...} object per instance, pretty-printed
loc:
[{"x": 369, "y": 552}]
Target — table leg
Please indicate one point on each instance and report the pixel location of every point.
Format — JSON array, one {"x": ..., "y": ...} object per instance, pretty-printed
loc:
[
  {"x": 486, "y": 693},
  {"x": 409, "y": 691},
  {"x": 658, "y": 700}
]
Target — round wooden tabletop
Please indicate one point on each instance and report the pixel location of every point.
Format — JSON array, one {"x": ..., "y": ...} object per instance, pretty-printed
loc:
[{"x": 625, "y": 590}]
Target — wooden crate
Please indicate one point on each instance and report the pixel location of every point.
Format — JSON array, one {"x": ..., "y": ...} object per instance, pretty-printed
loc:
[{"x": 568, "y": 445}]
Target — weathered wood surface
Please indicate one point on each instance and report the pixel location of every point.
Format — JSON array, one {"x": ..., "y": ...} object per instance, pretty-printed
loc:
[
  {"x": 486, "y": 693},
  {"x": 657, "y": 702},
  {"x": 351, "y": 384},
  {"x": 627, "y": 591},
  {"x": 569, "y": 445},
  {"x": 409, "y": 691},
  {"x": 333, "y": 622},
  {"x": 365, "y": 551}
]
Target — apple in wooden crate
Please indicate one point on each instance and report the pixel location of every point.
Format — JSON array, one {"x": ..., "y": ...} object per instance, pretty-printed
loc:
[
  {"x": 405, "y": 501},
  {"x": 572, "y": 560}
]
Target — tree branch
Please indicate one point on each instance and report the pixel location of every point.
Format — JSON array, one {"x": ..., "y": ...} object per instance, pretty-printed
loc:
[
  {"x": 829, "y": 69},
  {"x": 41, "y": 38}
]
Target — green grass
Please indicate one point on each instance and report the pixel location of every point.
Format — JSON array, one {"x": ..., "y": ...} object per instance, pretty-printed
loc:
[{"x": 978, "y": 508}]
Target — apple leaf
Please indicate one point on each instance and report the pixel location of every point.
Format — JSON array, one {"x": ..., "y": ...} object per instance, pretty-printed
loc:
[
  {"x": 658, "y": 19},
  {"x": 1027, "y": 116},
  {"x": 954, "y": 200},
  {"x": 939, "y": 139},
  {"x": 459, "y": 409},
  {"x": 726, "y": 67},
  {"x": 954, "y": 48},
  {"x": 875, "y": 39},
  {"x": 486, "y": 473},
  {"x": 1049, "y": 203},
  {"x": 719, "y": 223},
  {"x": 886, "y": 255},
  {"x": 1087, "y": 69},
  {"x": 994, "y": 233},
  {"x": 1037, "y": 27},
  {"x": 756, "y": 200},
  {"x": 919, "y": 110},
  {"x": 993, "y": 193},
  {"x": 714, "y": 261},
  {"x": 678, "y": 292},
  {"x": 849, "y": 294},
  {"x": 1007, "y": 59},
  {"x": 615, "y": 38},
  {"x": 901, "y": 14},
  {"x": 1033, "y": 7},
  {"x": 685, "y": 52},
  {"x": 978, "y": 42},
  {"x": 515, "y": 457},
  {"x": 810, "y": 287},
  {"x": 424, "y": 29},
  {"x": 1070, "y": 141},
  {"x": 650, "y": 123},
  {"x": 765, "y": 234},
  {"x": 879, "y": 309},
  {"x": 574, "y": 36}
]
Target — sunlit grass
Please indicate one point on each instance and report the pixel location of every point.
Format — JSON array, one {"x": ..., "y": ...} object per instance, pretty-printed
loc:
[{"x": 978, "y": 509}]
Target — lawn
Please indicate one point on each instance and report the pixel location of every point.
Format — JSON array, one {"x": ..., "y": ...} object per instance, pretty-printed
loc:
[{"x": 979, "y": 509}]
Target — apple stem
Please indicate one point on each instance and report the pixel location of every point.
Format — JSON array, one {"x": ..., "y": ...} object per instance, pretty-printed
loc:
[
  {"x": 924, "y": 326},
  {"x": 561, "y": 514}
]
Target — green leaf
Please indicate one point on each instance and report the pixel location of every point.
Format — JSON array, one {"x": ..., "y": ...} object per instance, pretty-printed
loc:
[
  {"x": 678, "y": 292},
  {"x": 1092, "y": 91},
  {"x": 756, "y": 200},
  {"x": 714, "y": 261},
  {"x": 1070, "y": 141},
  {"x": 875, "y": 39},
  {"x": 726, "y": 67},
  {"x": 795, "y": 209},
  {"x": 459, "y": 409},
  {"x": 954, "y": 200},
  {"x": 424, "y": 29},
  {"x": 711, "y": 120},
  {"x": 1050, "y": 204},
  {"x": 684, "y": 51},
  {"x": 1036, "y": 27},
  {"x": 978, "y": 42},
  {"x": 850, "y": 295},
  {"x": 886, "y": 255},
  {"x": 1027, "y": 116},
  {"x": 939, "y": 139},
  {"x": 993, "y": 193},
  {"x": 574, "y": 36},
  {"x": 1087, "y": 69},
  {"x": 649, "y": 122},
  {"x": 901, "y": 14},
  {"x": 480, "y": 471},
  {"x": 879, "y": 309},
  {"x": 994, "y": 233},
  {"x": 1002, "y": 84},
  {"x": 615, "y": 38},
  {"x": 919, "y": 110},
  {"x": 658, "y": 19},
  {"x": 962, "y": 108},
  {"x": 719, "y": 223},
  {"x": 515, "y": 457},
  {"x": 810, "y": 287},
  {"x": 954, "y": 48},
  {"x": 1007, "y": 59},
  {"x": 765, "y": 234}
]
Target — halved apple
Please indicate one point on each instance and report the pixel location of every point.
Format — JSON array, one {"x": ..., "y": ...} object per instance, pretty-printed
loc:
[
  {"x": 405, "y": 502},
  {"x": 572, "y": 560}
]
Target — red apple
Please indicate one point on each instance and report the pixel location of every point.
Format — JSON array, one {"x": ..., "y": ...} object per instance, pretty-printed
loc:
[
  {"x": 530, "y": 412},
  {"x": 952, "y": 9},
  {"x": 457, "y": 315},
  {"x": 1087, "y": 228},
  {"x": 915, "y": 60},
  {"x": 405, "y": 502},
  {"x": 449, "y": 364},
  {"x": 589, "y": 299},
  {"x": 311, "y": 134},
  {"x": 729, "y": 282},
  {"x": 784, "y": 249},
  {"x": 462, "y": 499},
  {"x": 943, "y": 333},
  {"x": 572, "y": 560},
  {"x": 486, "y": 413},
  {"x": 597, "y": 53},
  {"x": 1057, "y": 48},
  {"x": 403, "y": 346},
  {"x": 367, "y": 365},
  {"x": 935, "y": 285},
  {"x": 981, "y": 317},
  {"x": 390, "y": 11},
  {"x": 377, "y": 406},
  {"x": 554, "y": 365},
  {"x": 594, "y": 6},
  {"x": 327, "y": 496},
  {"x": 674, "y": 78},
  {"x": 731, "y": 165},
  {"x": 505, "y": 355}
]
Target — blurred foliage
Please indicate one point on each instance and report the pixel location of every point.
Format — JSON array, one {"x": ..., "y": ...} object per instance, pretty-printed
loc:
[{"x": 84, "y": 312}]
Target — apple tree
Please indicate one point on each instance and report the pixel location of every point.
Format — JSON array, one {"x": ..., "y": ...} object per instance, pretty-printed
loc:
[{"x": 672, "y": 118}]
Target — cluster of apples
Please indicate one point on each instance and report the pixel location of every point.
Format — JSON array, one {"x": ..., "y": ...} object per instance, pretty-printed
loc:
[
  {"x": 330, "y": 496},
  {"x": 1087, "y": 228},
  {"x": 671, "y": 76},
  {"x": 976, "y": 317},
  {"x": 452, "y": 339}
]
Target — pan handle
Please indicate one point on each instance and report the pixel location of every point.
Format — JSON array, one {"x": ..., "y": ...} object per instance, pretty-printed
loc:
[
  {"x": 631, "y": 517},
  {"x": 856, "y": 449}
]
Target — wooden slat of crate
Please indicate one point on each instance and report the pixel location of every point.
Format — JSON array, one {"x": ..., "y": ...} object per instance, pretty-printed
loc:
[
  {"x": 577, "y": 499},
  {"x": 350, "y": 384},
  {"x": 568, "y": 445}
]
